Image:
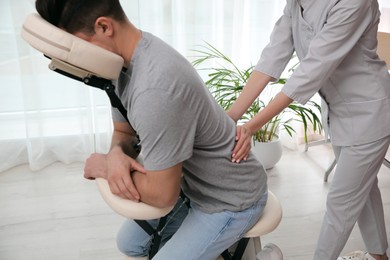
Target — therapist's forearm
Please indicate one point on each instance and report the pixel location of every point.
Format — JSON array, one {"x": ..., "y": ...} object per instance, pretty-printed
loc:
[
  {"x": 280, "y": 102},
  {"x": 255, "y": 85}
]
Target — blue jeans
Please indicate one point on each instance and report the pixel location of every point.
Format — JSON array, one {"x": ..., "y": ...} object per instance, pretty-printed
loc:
[{"x": 191, "y": 233}]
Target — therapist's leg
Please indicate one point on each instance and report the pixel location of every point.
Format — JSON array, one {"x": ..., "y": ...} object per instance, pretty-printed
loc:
[
  {"x": 353, "y": 190},
  {"x": 372, "y": 224},
  {"x": 205, "y": 236}
]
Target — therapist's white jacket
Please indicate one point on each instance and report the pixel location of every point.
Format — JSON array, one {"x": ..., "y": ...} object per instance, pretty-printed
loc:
[{"x": 335, "y": 41}]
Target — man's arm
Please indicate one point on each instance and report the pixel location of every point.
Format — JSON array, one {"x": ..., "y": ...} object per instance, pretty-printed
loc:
[
  {"x": 118, "y": 163},
  {"x": 125, "y": 138},
  {"x": 156, "y": 188},
  {"x": 159, "y": 188},
  {"x": 127, "y": 178},
  {"x": 121, "y": 162}
]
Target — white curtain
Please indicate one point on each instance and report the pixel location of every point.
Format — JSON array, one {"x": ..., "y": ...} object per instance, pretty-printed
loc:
[
  {"x": 46, "y": 117},
  {"x": 384, "y": 25},
  {"x": 384, "y": 3}
]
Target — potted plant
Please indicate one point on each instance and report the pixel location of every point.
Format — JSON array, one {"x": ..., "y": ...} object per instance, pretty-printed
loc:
[{"x": 226, "y": 81}]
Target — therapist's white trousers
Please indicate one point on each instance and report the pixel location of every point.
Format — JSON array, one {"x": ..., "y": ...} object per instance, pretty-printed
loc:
[{"x": 353, "y": 197}]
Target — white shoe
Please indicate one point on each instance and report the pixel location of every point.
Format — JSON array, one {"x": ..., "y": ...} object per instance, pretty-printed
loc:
[
  {"x": 270, "y": 252},
  {"x": 357, "y": 255}
]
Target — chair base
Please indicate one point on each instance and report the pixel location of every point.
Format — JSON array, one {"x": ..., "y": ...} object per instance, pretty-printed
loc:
[{"x": 245, "y": 249}]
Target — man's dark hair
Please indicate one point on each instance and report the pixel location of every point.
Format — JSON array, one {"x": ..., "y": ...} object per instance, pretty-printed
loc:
[{"x": 78, "y": 15}]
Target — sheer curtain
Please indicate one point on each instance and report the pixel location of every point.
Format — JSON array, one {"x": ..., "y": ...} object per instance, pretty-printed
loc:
[
  {"x": 384, "y": 25},
  {"x": 45, "y": 117}
]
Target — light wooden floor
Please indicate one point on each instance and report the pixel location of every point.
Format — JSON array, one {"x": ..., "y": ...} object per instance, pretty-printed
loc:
[{"x": 55, "y": 214}]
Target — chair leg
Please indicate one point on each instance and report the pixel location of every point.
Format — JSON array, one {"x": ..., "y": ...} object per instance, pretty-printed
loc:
[
  {"x": 236, "y": 251},
  {"x": 226, "y": 255},
  {"x": 329, "y": 170},
  {"x": 241, "y": 246},
  {"x": 252, "y": 249}
]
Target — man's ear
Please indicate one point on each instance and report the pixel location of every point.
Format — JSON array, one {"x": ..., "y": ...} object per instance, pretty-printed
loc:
[{"x": 104, "y": 25}]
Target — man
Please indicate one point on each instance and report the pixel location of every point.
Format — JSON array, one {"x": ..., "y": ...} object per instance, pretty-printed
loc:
[{"x": 186, "y": 138}]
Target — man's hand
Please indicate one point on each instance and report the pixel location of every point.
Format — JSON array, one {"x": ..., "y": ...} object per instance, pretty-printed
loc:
[
  {"x": 116, "y": 168},
  {"x": 243, "y": 144},
  {"x": 95, "y": 167},
  {"x": 119, "y": 168}
]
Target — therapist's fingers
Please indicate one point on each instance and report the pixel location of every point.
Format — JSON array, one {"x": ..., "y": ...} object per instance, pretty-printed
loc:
[
  {"x": 242, "y": 146},
  {"x": 242, "y": 149},
  {"x": 237, "y": 144},
  {"x": 238, "y": 133}
]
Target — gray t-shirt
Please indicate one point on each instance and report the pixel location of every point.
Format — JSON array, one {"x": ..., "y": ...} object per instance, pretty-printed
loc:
[{"x": 178, "y": 120}]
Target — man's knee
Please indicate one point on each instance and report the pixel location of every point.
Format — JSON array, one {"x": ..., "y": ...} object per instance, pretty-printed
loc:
[
  {"x": 130, "y": 245},
  {"x": 131, "y": 249}
]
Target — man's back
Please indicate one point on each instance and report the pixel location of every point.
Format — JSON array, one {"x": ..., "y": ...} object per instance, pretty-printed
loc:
[{"x": 179, "y": 121}]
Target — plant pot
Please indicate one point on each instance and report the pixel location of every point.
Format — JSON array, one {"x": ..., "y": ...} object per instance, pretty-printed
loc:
[{"x": 268, "y": 153}]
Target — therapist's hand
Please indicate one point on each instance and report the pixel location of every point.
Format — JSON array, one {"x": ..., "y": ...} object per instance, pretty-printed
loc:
[
  {"x": 243, "y": 144},
  {"x": 119, "y": 168}
]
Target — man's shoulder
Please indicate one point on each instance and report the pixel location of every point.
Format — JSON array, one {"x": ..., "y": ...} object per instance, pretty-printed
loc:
[{"x": 152, "y": 43}]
